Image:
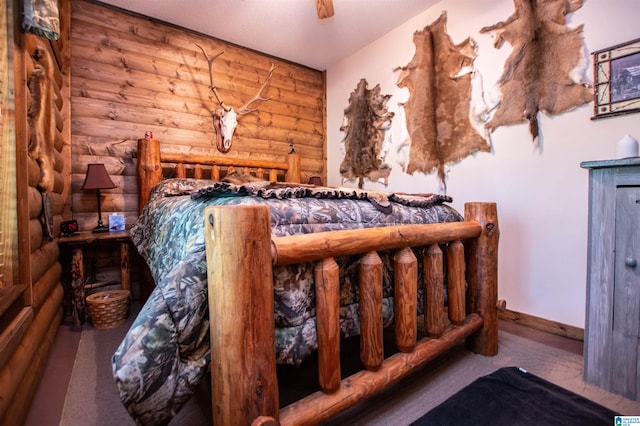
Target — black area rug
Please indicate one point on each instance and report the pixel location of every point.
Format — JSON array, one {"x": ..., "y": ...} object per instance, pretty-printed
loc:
[{"x": 511, "y": 396}]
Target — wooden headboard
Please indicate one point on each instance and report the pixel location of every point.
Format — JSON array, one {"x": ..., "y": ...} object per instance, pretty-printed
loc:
[{"x": 152, "y": 163}]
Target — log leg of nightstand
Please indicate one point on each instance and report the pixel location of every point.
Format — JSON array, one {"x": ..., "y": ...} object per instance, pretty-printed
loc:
[
  {"x": 77, "y": 285},
  {"x": 124, "y": 265}
]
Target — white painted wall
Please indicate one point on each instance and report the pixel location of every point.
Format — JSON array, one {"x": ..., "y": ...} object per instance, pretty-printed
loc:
[{"x": 542, "y": 193}]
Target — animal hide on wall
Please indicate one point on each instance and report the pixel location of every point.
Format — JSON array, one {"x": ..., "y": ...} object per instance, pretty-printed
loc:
[
  {"x": 537, "y": 74},
  {"x": 438, "y": 109},
  {"x": 41, "y": 116},
  {"x": 364, "y": 125}
]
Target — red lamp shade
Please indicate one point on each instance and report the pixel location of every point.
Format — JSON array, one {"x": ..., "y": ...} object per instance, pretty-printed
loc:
[{"x": 97, "y": 178}]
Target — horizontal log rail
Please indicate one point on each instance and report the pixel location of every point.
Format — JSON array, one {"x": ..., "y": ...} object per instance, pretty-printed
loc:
[
  {"x": 208, "y": 160},
  {"x": 320, "y": 245}
]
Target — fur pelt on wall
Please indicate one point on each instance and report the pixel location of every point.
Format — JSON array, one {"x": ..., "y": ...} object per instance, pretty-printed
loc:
[
  {"x": 364, "y": 122},
  {"x": 438, "y": 108},
  {"x": 537, "y": 74}
]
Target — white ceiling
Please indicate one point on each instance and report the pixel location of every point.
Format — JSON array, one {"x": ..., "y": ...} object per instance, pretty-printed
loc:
[{"x": 287, "y": 29}]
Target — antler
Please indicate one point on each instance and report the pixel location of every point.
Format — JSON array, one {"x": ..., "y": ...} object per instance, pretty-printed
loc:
[
  {"x": 224, "y": 117},
  {"x": 211, "y": 85},
  {"x": 244, "y": 109}
]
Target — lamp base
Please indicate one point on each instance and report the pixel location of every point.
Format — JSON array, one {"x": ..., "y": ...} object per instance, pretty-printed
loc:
[{"x": 100, "y": 228}]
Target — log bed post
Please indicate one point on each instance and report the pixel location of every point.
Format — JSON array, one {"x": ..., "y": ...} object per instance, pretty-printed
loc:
[
  {"x": 149, "y": 173},
  {"x": 240, "y": 285},
  {"x": 149, "y": 169},
  {"x": 482, "y": 276},
  {"x": 293, "y": 172}
]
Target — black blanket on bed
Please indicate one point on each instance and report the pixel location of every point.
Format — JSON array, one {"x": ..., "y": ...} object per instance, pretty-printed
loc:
[{"x": 511, "y": 396}]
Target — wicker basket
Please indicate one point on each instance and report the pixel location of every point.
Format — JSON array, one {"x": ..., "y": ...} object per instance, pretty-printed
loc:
[{"x": 108, "y": 309}]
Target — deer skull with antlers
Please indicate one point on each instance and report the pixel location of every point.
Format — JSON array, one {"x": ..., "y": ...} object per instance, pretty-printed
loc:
[{"x": 225, "y": 118}]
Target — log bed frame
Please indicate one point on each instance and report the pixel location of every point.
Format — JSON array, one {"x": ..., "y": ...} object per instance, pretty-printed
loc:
[{"x": 240, "y": 249}]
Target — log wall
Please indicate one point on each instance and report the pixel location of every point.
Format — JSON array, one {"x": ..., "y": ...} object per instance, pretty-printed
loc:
[
  {"x": 30, "y": 325},
  {"x": 131, "y": 74}
]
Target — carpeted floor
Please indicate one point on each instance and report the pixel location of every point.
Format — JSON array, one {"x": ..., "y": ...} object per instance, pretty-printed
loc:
[
  {"x": 550, "y": 357},
  {"x": 92, "y": 399}
]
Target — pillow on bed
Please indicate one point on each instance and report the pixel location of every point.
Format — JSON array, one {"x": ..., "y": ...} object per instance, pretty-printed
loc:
[
  {"x": 237, "y": 178},
  {"x": 178, "y": 186}
]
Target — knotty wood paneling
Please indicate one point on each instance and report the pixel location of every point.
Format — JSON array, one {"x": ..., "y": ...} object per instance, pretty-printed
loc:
[{"x": 131, "y": 74}]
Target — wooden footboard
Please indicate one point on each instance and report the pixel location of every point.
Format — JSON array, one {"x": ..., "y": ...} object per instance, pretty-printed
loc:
[{"x": 242, "y": 254}]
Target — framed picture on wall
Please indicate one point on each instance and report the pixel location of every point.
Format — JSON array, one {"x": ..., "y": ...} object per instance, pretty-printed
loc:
[{"x": 617, "y": 80}]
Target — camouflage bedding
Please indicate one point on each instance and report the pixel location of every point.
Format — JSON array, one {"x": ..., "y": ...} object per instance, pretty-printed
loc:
[{"x": 165, "y": 353}]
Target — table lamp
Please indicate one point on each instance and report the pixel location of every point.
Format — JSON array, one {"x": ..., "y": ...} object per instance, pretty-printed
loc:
[{"x": 97, "y": 178}]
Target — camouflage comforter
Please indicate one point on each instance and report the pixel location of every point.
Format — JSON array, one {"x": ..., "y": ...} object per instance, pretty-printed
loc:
[{"x": 166, "y": 351}]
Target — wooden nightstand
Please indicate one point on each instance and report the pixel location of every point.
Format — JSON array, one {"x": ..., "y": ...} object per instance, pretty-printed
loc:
[{"x": 77, "y": 243}]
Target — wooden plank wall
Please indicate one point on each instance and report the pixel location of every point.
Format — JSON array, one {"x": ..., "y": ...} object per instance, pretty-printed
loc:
[{"x": 131, "y": 74}]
